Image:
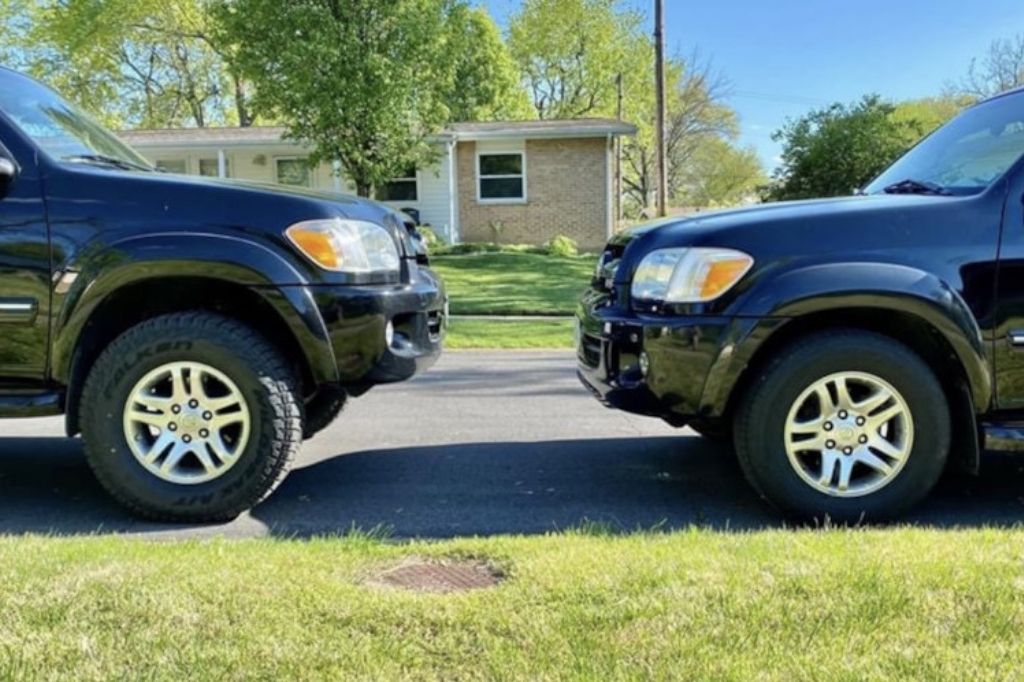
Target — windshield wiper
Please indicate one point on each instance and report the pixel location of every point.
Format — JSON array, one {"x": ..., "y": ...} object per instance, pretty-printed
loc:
[
  {"x": 106, "y": 161},
  {"x": 911, "y": 186}
]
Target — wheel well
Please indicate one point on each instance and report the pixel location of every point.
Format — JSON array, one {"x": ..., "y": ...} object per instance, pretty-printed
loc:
[
  {"x": 135, "y": 303},
  {"x": 910, "y": 330}
]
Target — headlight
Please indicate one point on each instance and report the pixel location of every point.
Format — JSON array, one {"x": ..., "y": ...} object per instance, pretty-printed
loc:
[
  {"x": 346, "y": 245},
  {"x": 689, "y": 275}
]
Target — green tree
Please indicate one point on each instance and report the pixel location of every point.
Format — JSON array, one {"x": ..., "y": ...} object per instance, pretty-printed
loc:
[
  {"x": 718, "y": 174},
  {"x": 150, "y": 63},
  {"x": 14, "y": 22},
  {"x": 362, "y": 82},
  {"x": 571, "y": 51},
  {"x": 832, "y": 151},
  {"x": 485, "y": 83},
  {"x": 923, "y": 116}
]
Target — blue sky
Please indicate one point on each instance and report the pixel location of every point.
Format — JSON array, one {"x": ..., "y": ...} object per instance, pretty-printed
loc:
[{"x": 783, "y": 57}]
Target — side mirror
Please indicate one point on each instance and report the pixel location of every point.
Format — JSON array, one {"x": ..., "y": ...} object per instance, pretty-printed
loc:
[{"x": 8, "y": 172}]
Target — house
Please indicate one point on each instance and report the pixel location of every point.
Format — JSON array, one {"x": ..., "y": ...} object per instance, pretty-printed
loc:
[{"x": 514, "y": 182}]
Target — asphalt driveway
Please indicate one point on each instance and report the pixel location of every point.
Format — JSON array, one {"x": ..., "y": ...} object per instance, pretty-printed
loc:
[{"x": 485, "y": 443}]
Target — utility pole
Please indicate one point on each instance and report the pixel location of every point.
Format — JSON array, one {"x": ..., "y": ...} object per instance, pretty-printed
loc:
[
  {"x": 618, "y": 159},
  {"x": 659, "y": 77}
]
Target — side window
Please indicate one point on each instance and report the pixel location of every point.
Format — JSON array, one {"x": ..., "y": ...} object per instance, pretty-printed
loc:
[
  {"x": 211, "y": 168},
  {"x": 403, "y": 188},
  {"x": 293, "y": 171},
  {"x": 178, "y": 166},
  {"x": 501, "y": 177}
]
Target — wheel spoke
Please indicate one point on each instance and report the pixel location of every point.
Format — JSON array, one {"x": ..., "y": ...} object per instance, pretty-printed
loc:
[
  {"x": 217, "y": 404},
  {"x": 174, "y": 457},
  {"x": 204, "y": 458},
  {"x": 149, "y": 418},
  {"x": 219, "y": 421},
  {"x": 873, "y": 402},
  {"x": 865, "y": 456},
  {"x": 153, "y": 402},
  {"x": 829, "y": 460},
  {"x": 221, "y": 449},
  {"x": 159, "y": 445},
  {"x": 877, "y": 421},
  {"x": 843, "y": 399},
  {"x": 845, "y": 471},
  {"x": 825, "y": 401},
  {"x": 886, "y": 447},
  {"x": 179, "y": 390},
  {"x": 808, "y": 427}
]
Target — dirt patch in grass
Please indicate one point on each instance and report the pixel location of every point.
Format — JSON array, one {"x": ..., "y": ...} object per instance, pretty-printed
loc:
[{"x": 422, "y": 575}]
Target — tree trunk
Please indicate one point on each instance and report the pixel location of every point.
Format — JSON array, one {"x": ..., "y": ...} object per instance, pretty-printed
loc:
[
  {"x": 363, "y": 189},
  {"x": 245, "y": 117}
]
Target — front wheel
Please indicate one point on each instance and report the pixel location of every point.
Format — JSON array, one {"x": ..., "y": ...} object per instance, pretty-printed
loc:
[
  {"x": 845, "y": 426},
  {"x": 190, "y": 417}
]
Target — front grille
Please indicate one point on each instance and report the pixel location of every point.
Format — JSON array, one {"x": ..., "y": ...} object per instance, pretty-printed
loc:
[
  {"x": 590, "y": 350},
  {"x": 435, "y": 323}
]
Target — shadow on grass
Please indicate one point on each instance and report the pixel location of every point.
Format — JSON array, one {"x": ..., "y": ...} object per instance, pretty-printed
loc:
[{"x": 445, "y": 491}]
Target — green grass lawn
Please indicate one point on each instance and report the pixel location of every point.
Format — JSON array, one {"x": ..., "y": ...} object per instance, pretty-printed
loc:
[
  {"x": 514, "y": 283},
  {"x": 509, "y": 334},
  {"x": 775, "y": 605}
]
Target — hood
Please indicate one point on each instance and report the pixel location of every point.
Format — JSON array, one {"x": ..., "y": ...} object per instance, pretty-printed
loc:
[{"x": 163, "y": 201}]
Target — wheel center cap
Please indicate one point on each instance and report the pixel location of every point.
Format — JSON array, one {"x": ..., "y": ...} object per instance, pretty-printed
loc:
[
  {"x": 846, "y": 433},
  {"x": 190, "y": 422}
]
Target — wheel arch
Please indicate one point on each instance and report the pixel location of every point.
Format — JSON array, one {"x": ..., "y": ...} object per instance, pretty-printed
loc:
[
  {"x": 117, "y": 289},
  {"x": 906, "y": 304}
]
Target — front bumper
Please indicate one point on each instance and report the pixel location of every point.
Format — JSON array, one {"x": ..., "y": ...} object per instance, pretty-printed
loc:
[
  {"x": 682, "y": 353},
  {"x": 357, "y": 317}
]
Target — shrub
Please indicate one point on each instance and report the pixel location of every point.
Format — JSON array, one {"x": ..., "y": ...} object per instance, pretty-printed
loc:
[
  {"x": 430, "y": 237},
  {"x": 562, "y": 246}
]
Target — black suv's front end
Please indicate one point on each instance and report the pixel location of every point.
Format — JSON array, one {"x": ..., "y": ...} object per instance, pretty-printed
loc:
[
  {"x": 386, "y": 324},
  {"x": 647, "y": 341}
]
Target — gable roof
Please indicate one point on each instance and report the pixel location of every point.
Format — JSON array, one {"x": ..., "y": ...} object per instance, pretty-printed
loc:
[{"x": 274, "y": 135}]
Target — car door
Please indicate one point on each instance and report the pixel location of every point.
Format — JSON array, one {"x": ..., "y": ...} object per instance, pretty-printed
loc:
[{"x": 24, "y": 266}]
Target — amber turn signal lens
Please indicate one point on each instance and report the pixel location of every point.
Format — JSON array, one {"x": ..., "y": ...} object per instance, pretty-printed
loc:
[
  {"x": 315, "y": 244},
  {"x": 722, "y": 275}
]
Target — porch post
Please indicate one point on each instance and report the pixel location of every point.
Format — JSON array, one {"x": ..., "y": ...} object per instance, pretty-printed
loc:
[{"x": 222, "y": 164}]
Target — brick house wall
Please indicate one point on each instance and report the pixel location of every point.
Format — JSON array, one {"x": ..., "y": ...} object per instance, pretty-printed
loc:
[{"x": 566, "y": 190}]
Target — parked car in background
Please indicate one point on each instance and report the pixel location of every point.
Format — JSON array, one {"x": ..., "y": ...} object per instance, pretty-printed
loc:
[
  {"x": 852, "y": 349},
  {"x": 193, "y": 330}
]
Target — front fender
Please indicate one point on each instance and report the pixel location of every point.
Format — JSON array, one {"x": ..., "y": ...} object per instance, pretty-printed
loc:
[
  {"x": 98, "y": 271},
  {"x": 873, "y": 286}
]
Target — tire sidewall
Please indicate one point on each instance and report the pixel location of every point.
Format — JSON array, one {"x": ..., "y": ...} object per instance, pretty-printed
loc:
[{"x": 768, "y": 463}]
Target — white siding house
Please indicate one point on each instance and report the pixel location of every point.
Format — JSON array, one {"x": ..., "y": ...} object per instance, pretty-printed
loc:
[{"x": 559, "y": 166}]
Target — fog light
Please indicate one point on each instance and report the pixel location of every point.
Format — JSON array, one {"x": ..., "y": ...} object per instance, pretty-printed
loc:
[
  {"x": 389, "y": 333},
  {"x": 645, "y": 363}
]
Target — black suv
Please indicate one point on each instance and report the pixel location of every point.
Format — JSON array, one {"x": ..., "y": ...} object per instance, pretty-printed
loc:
[
  {"x": 851, "y": 348},
  {"x": 194, "y": 330}
]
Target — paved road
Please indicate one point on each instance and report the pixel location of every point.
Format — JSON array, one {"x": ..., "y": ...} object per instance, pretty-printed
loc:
[{"x": 485, "y": 443}]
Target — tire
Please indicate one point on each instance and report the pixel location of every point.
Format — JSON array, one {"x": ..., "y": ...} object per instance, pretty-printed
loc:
[
  {"x": 782, "y": 394},
  {"x": 714, "y": 431},
  {"x": 322, "y": 412},
  {"x": 267, "y": 429}
]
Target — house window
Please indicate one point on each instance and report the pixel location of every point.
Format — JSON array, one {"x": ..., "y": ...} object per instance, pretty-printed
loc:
[
  {"x": 403, "y": 188},
  {"x": 294, "y": 171},
  {"x": 211, "y": 169},
  {"x": 172, "y": 166},
  {"x": 502, "y": 177}
]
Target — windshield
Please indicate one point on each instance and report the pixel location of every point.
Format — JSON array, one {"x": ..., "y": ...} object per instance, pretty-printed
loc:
[
  {"x": 59, "y": 128},
  {"x": 967, "y": 154}
]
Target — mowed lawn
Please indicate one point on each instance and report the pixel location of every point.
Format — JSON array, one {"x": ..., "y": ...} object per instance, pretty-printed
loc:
[
  {"x": 914, "y": 604},
  {"x": 476, "y": 333},
  {"x": 514, "y": 283}
]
